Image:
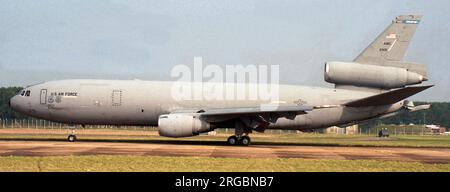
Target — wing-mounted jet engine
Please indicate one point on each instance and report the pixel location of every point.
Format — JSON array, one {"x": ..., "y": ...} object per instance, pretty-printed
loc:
[{"x": 182, "y": 125}]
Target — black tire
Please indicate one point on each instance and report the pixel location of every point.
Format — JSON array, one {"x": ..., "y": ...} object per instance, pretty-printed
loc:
[
  {"x": 72, "y": 138},
  {"x": 245, "y": 141},
  {"x": 232, "y": 140}
]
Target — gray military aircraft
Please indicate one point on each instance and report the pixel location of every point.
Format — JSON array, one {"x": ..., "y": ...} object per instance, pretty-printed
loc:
[{"x": 375, "y": 85}]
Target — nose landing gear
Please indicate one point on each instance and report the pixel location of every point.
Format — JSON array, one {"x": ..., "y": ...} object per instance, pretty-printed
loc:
[{"x": 72, "y": 136}]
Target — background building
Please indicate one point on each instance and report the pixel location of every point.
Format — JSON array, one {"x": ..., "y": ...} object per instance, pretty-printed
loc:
[{"x": 350, "y": 130}]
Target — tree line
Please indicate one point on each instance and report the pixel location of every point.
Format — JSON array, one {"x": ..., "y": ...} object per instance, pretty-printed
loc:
[
  {"x": 5, "y": 112},
  {"x": 439, "y": 113}
]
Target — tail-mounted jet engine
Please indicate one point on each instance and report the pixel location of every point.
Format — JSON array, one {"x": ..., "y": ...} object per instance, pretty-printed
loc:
[
  {"x": 376, "y": 76},
  {"x": 182, "y": 125}
]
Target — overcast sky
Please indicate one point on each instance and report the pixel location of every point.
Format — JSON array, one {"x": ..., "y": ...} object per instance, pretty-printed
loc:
[{"x": 111, "y": 39}]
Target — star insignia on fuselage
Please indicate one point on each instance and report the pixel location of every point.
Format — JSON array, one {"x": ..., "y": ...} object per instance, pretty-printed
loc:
[{"x": 299, "y": 102}]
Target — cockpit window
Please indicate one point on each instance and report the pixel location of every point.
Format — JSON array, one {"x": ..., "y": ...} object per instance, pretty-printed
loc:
[
  {"x": 27, "y": 94},
  {"x": 23, "y": 93}
]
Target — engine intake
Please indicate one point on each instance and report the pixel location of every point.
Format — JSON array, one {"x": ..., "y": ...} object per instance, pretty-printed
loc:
[
  {"x": 182, "y": 125},
  {"x": 364, "y": 75}
]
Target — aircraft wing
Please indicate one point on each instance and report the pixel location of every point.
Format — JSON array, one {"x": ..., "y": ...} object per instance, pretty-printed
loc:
[
  {"x": 257, "y": 118},
  {"x": 258, "y": 110}
]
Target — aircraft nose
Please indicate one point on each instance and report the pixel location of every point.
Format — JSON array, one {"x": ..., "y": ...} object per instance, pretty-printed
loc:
[{"x": 12, "y": 103}]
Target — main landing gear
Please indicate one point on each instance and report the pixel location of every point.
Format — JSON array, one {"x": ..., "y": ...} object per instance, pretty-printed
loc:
[
  {"x": 242, "y": 140},
  {"x": 241, "y": 135}
]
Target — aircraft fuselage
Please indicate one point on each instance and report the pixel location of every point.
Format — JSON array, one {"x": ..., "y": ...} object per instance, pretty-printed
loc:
[{"x": 136, "y": 102}]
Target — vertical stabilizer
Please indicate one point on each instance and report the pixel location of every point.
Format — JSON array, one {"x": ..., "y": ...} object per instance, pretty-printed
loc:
[
  {"x": 390, "y": 46},
  {"x": 380, "y": 66}
]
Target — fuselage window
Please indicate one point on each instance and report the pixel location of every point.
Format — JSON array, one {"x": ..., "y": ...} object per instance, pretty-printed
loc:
[{"x": 27, "y": 93}]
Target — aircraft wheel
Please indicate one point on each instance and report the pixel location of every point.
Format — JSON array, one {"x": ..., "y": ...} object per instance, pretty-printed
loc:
[
  {"x": 232, "y": 140},
  {"x": 245, "y": 140},
  {"x": 72, "y": 138}
]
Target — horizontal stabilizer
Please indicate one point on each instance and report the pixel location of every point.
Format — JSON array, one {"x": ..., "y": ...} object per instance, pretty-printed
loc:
[
  {"x": 412, "y": 109},
  {"x": 419, "y": 108},
  {"x": 387, "y": 98}
]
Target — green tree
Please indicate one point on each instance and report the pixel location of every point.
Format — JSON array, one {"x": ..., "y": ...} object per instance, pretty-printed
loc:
[
  {"x": 6, "y": 93},
  {"x": 438, "y": 114}
]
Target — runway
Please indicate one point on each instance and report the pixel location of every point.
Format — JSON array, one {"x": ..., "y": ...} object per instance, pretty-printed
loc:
[{"x": 62, "y": 148}]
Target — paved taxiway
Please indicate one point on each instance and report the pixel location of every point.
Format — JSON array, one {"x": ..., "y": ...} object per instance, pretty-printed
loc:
[{"x": 47, "y": 148}]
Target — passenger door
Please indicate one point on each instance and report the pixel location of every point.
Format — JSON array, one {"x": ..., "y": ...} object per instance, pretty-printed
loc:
[
  {"x": 116, "y": 98},
  {"x": 43, "y": 96}
]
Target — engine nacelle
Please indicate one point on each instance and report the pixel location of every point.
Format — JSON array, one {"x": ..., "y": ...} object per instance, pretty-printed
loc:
[
  {"x": 182, "y": 125},
  {"x": 376, "y": 76}
]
